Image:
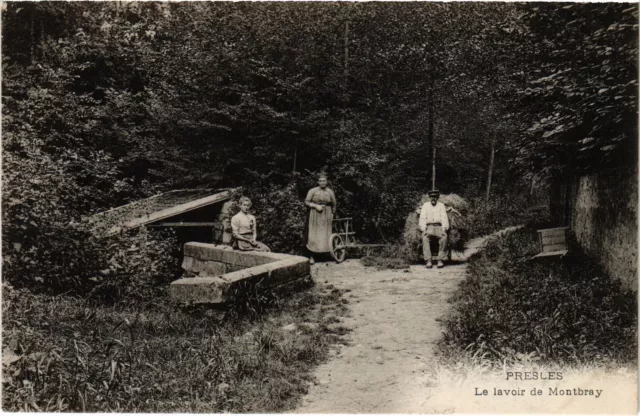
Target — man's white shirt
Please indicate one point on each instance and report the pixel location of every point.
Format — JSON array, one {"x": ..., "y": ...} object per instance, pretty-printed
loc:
[{"x": 433, "y": 214}]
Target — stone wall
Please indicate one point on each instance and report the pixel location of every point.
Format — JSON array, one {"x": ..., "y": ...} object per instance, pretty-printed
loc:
[
  {"x": 212, "y": 260},
  {"x": 604, "y": 220},
  {"x": 222, "y": 273}
]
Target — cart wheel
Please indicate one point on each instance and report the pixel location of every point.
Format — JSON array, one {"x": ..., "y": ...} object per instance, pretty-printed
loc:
[{"x": 338, "y": 250}]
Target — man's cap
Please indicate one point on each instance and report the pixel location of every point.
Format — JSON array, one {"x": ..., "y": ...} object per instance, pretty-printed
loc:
[{"x": 433, "y": 192}]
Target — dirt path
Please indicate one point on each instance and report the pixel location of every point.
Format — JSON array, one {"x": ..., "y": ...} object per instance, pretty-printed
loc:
[{"x": 394, "y": 329}]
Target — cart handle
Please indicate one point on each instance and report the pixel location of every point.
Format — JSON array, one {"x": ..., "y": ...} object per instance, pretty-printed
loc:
[{"x": 343, "y": 219}]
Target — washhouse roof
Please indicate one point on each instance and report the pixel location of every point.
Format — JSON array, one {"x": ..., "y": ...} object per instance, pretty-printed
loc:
[{"x": 146, "y": 211}]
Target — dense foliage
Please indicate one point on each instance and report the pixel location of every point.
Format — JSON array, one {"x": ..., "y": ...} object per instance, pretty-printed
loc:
[
  {"x": 511, "y": 306},
  {"x": 105, "y": 103},
  {"x": 71, "y": 259},
  {"x": 505, "y": 211},
  {"x": 583, "y": 96}
]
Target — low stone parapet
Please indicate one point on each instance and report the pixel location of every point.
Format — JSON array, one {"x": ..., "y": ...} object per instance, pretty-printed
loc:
[{"x": 221, "y": 273}]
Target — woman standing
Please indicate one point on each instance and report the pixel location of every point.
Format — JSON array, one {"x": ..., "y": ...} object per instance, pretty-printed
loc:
[
  {"x": 243, "y": 227},
  {"x": 321, "y": 202}
]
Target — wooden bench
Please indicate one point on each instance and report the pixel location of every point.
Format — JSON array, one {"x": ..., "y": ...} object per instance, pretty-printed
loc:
[{"x": 553, "y": 242}]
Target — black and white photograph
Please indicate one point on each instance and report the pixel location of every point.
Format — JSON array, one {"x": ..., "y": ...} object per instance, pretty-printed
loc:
[{"x": 323, "y": 207}]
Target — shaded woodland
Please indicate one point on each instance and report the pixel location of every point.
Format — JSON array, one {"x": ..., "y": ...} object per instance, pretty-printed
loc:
[{"x": 106, "y": 103}]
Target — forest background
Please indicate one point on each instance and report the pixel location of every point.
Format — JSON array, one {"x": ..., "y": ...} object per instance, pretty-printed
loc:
[{"x": 107, "y": 103}]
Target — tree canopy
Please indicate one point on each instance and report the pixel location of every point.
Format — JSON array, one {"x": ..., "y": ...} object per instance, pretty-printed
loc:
[{"x": 105, "y": 102}]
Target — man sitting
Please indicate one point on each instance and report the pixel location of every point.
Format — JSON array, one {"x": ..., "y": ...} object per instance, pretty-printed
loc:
[{"x": 433, "y": 224}]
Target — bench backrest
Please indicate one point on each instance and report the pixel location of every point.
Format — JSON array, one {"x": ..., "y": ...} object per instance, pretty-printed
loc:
[{"x": 553, "y": 239}]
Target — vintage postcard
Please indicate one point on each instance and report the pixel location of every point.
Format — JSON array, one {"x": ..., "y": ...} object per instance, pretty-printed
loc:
[{"x": 320, "y": 207}]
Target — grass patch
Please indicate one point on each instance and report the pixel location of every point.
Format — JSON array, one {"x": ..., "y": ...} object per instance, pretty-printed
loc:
[
  {"x": 510, "y": 308},
  {"x": 64, "y": 354}
]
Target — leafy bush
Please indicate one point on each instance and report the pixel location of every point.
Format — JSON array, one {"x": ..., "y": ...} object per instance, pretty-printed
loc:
[
  {"x": 281, "y": 216},
  {"x": 41, "y": 244},
  {"x": 139, "y": 264},
  {"x": 567, "y": 311},
  {"x": 48, "y": 184},
  {"x": 71, "y": 259},
  {"x": 505, "y": 210}
]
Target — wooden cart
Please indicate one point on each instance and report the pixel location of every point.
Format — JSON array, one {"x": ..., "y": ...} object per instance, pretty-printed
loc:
[{"x": 343, "y": 240}]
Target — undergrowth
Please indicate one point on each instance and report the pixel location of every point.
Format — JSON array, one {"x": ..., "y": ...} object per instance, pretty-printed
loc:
[
  {"x": 64, "y": 354},
  {"x": 510, "y": 307},
  {"x": 502, "y": 211}
]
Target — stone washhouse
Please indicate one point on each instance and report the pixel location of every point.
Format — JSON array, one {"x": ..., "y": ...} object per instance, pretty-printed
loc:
[{"x": 214, "y": 273}]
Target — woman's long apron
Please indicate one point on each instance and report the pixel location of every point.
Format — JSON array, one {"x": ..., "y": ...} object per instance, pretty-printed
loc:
[{"x": 319, "y": 224}]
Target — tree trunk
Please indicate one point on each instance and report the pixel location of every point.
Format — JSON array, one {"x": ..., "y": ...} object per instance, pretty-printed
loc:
[
  {"x": 32, "y": 35},
  {"x": 532, "y": 188},
  {"x": 490, "y": 173},
  {"x": 430, "y": 138},
  {"x": 295, "y": 158},
  {"x": 346, "y": 73},
  {"x": 346, "y": 50},
  {"x": 560, "y": 200},
  {"x": 533, "y": 184},
  {"x": 295, "y": 149},
  {"x": 433, "y": 167}
]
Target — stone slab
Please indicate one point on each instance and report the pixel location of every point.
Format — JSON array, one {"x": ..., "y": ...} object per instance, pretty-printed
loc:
[
  {"x": 208, "y": 268},
  {"x": 224, "y": 254},
  {"x": 273, "y": 272},
  {"x": 267, "y": 271},
  {"x": 199, "y": 290}
]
